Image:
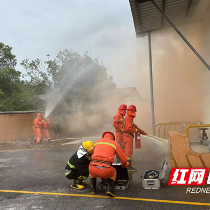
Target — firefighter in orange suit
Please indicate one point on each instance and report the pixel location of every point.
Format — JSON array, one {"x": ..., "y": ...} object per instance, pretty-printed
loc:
[
  {"x": 118, "y": 123},
  {"x": 105, "y": 150},
  {"x": 129, "y": 129},
  {"x": 34, "y": 130},
  {"x": 45, "y": 132},
  {"x": 38, "y": 124}
]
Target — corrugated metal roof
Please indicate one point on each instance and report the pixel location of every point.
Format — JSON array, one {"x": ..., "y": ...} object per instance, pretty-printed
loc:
[{"x": 147, "y": 18}]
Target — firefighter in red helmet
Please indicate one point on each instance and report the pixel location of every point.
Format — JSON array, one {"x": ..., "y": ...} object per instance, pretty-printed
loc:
[
  {"x": 102, "y": 159},
  {"x": 38, "y": 124},
  {"x": 118, "y": 123},
  {"x": 129, "y": 129}
]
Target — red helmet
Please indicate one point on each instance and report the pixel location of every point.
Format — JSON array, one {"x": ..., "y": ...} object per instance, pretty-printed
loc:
[
  {"x": 132, "y": 108},
  {"x": 38, "y": 115},
  {"x": 123, "y": 107},
  {"x": 109, "y": 133}
]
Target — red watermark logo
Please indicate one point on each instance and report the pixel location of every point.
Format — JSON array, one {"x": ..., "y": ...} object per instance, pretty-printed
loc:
[{"x": 188, "y": 176}]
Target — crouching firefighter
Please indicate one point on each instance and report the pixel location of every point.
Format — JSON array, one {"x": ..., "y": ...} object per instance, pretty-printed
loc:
[
  {"x": 105, "y": 150},
  {"x": 77, "y": 167}
]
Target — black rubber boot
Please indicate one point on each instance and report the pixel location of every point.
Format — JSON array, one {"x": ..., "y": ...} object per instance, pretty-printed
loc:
[
  {"x": 93, "y": 185},
  {"x": 130, "y": 168},
  {"x": 81, "y": 181},
  {"x": 48, "y": 140},
  {"x": 103, "y": 184},
  {"x": 110, "y": 189},
  {"x": 76, "y": 186}
]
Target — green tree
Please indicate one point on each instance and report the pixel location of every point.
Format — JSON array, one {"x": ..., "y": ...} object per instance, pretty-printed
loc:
[
  {"x": 7, "y": 59},
  {"x": 15, "y": 95},
  {"x": 8, "y": 76},
  {"x": 79, "y": 79}
]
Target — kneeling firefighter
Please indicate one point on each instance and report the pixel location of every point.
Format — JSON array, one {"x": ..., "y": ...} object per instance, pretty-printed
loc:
[
  {"x": 105, "y": 150},
  {"x": 77, "y": 167},
  {"x": 129, "y": 129}
]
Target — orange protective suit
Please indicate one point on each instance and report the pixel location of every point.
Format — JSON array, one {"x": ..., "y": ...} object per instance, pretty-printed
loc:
[
  {"x": 45, "y": 132},
  {"x": 118, "y": 123},
  {"x": 129, "y": 129},
  {"x": 34, "y": 130},
  {"x": 37, "y": 124},
  {"x": 104, "y": 152}
]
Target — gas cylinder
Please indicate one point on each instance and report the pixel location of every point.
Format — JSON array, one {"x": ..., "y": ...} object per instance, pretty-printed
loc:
[
  {"x": 164, "y": 169},
  {"x": 137, "y": 140}
]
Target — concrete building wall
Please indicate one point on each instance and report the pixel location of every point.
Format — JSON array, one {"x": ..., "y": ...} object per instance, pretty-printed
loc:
[
  {"x": 16, "y": 126},
  {"x": 19, "y": 126}
]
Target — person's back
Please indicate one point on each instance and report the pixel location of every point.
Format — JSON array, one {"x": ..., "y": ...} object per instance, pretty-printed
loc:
[
  {"x": 101, "y": 153},
  {"x": 105, "y": 150}
]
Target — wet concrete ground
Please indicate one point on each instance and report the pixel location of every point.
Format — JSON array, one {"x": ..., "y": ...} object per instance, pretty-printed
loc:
[{"x": 43, "y": 171}]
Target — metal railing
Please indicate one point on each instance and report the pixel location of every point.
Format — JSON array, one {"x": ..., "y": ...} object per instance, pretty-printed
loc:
[
  {"x": 172, "y": 123},
  {"x": 202, "y": 139},
  {"x": 195, "y": 126}
]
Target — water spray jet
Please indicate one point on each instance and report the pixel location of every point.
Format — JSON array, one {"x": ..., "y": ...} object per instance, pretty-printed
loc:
[{"x": 79, "y": 74}]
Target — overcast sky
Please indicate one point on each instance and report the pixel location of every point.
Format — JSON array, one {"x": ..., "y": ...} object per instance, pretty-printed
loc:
[{"x": 35, "y": 28}]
